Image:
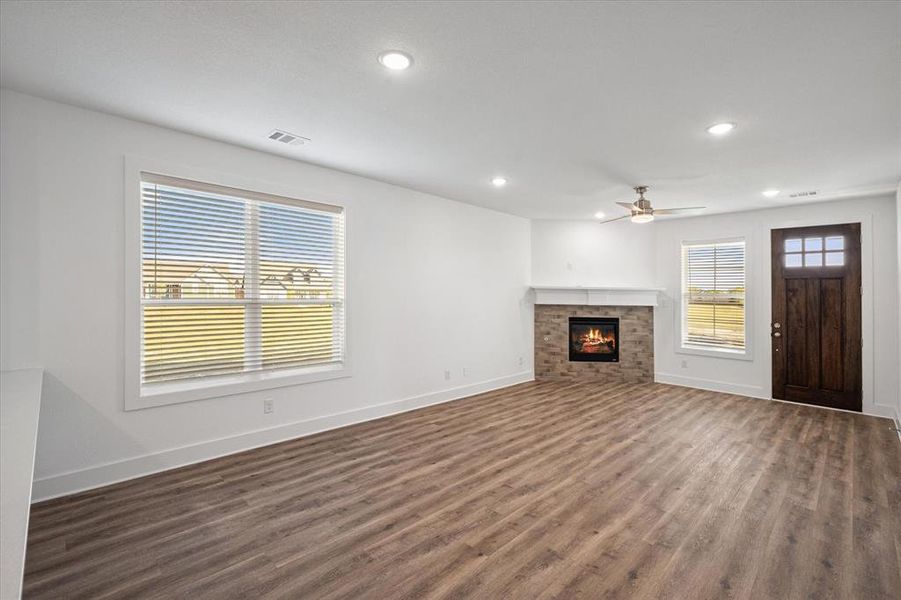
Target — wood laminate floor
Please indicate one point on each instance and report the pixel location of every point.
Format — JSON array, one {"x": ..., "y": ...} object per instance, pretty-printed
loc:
[{"x": 542, "y": 490}]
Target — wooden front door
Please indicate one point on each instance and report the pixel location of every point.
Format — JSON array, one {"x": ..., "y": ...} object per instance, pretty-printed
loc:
[{"x": 816, "y": 315}]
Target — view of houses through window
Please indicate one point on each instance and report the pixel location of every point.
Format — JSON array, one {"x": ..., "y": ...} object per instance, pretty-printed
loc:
[{"x": 234, "y": 284}]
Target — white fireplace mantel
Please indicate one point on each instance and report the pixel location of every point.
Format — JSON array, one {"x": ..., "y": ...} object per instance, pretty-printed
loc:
[{"x": 597, "y": 296}]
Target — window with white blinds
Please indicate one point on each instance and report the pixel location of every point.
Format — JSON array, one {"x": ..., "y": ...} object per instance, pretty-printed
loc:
[
  {"x": 236, "y": 282},
  {"x": 713, "y": 290}
]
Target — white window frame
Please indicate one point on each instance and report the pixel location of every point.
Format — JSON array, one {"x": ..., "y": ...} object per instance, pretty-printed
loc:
[
  {"x": 681, "y": 306},
  {"x": 137, "y": 396}
]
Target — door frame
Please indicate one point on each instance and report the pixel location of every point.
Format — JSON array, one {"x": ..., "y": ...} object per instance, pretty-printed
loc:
[
  {"x": 851, "y": 313},
  {"x": 867, "y": 280}
]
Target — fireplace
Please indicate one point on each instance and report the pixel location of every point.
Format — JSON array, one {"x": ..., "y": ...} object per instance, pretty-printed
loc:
[{"x": 593, "y": 339}]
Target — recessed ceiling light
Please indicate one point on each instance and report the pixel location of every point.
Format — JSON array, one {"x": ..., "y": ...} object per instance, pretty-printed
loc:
[
  {"x": 395, "y": 60},
  {"x": 721, "y": 128},
  {"x": 599, "y": 215},
  {"x": 771, "y": 193},
  {"x": 499, "y": 181}
]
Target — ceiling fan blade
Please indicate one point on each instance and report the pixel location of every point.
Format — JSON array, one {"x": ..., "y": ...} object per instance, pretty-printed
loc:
[
  {"x": 616, "y": 219},
  {"x": 627, "y": 205},
  {"x": 673, "y": 211}
]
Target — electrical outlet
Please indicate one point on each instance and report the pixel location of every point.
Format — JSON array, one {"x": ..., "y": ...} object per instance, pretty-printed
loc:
[
  {"x": 464, "y": 372},
  {"x": 447, "y": 374},
  {"x": 268, "y": 406},
  {"x": 520, "y": 361},
  {"x": 684, "y": 364}
]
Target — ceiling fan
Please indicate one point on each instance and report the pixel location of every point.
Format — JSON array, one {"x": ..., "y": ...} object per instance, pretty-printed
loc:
[{"x": 641, "y": 210}]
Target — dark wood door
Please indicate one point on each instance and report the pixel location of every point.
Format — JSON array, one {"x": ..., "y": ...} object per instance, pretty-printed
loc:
[{"x": 816, "y": 315}]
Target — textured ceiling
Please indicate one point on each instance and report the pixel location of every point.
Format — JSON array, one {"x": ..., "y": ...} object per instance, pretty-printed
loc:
[{"x": 574, "y": 103}]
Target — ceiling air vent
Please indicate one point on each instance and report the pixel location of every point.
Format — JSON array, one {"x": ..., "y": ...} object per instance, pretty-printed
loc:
[
  {"x": 284, "y": 137},
  {"x": 803, "y": 194}
]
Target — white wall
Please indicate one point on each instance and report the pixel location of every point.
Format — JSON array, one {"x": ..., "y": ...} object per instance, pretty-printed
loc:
[
  {"x": 586, "y": 253},
  {"x": 898, "y": 231},
  {"x": 433, "y": 285},
  {"x": 624, "y": 255}
]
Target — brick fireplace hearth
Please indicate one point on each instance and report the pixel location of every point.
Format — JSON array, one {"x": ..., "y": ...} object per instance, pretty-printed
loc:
[{"x": 636, "y": 343}]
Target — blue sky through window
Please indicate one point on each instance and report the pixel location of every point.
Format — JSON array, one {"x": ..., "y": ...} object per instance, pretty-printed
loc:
[{"x": 182, "y": 224}]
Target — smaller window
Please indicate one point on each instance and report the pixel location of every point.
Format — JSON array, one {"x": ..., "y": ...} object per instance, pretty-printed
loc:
[
  {"x": 713, "y": 289},
  {"x": 815, "y": 252}
]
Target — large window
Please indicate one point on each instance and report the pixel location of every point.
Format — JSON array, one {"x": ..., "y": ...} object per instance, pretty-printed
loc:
[
  {"x": 236, "y": 284},
  {"x": 713, "y": 290}
]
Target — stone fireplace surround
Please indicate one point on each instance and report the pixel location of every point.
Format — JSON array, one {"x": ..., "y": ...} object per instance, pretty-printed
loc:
[
  {"x": 633, "y": 306},
  {"x": 636, "y": 343}
]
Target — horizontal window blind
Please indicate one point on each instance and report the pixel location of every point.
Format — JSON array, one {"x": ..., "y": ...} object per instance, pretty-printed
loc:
[
  {"x": 237, "y": 282},
  {"x": 713, "y": 287}
]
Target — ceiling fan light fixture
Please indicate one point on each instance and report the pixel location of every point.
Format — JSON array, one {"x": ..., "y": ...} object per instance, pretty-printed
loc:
[
  {"x": 641, "y": 210},
  {"x": 642, "y": 217}
]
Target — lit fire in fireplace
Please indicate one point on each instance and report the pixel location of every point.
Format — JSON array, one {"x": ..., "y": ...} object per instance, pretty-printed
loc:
[
  {"x": 594, "y": 337},
  {"x": 595, "y": 340}
]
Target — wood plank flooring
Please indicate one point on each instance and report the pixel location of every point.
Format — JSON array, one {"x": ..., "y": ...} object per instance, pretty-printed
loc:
[{"x": 542, "y": 490}]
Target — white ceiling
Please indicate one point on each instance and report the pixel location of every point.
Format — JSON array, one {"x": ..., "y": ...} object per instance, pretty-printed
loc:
[{"x": 573, "y": 103}]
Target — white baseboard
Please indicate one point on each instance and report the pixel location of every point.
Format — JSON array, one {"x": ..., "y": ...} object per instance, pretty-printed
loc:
[
  {"x": 98, "y": 476},
  {"x": 754, "y": 391},
  {"x": 898, "y": 422},
  {"x": 879, "y": 410}
]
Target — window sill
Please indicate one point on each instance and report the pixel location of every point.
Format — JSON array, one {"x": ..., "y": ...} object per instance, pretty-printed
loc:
[
  {"x": 716, "y": 352},
  {"x": 162, "y": 394}
]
